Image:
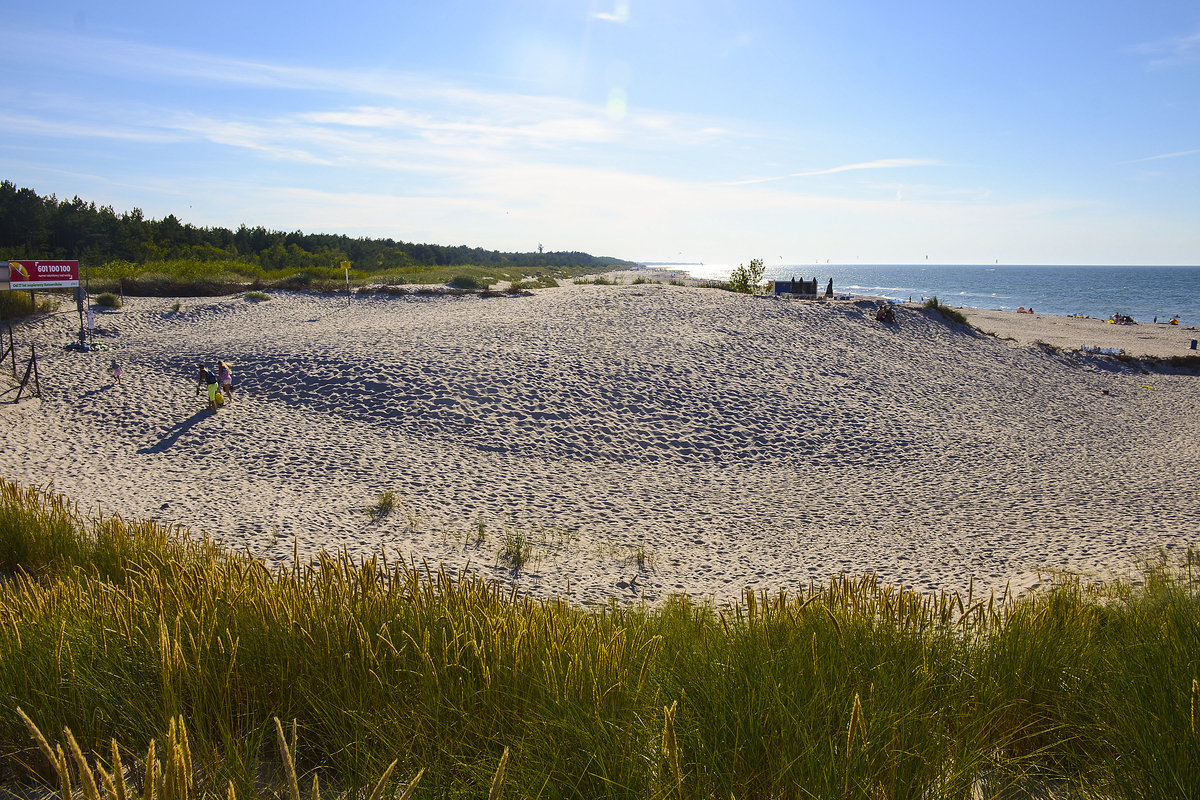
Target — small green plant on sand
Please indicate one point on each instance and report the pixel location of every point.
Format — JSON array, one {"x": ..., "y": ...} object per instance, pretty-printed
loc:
[
  {"x": 108, "y": 300},
  {"x": 256, "y": 297},
  {"x": 177, "y": 306},
  {"x": 747, "y": 279},
  {"x": 516, "y": 547},
  {"x": 952, "y": 314},
  {"x": 385, "y": 504}
]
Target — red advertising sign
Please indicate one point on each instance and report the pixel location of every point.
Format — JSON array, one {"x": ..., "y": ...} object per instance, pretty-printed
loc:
[{"x": 42, "y": 274}]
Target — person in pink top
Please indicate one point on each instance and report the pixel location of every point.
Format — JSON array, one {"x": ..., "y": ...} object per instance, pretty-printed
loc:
[{"x": 225, "y": 378}]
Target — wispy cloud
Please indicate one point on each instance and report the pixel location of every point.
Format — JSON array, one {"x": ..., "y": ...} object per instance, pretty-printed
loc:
[
  {"x": 398, "y": 121},
  {"x": 1171, "y": 52},
  {"x": 57, "y": 127},
  {"x": 1180, "y": 154},
  {"x": 882, "y": 163}
]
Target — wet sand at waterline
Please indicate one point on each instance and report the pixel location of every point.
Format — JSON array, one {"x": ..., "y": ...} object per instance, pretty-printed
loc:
[{"x": 642, "y": 439}]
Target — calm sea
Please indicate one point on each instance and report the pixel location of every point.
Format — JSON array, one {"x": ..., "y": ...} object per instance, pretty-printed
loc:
[{"x": 1140, "y": 292}]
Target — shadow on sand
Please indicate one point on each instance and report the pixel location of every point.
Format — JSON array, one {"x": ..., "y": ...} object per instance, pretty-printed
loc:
[{"x": 170, "y": 437}]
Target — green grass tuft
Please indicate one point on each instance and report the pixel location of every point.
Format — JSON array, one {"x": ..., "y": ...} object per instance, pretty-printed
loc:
[
  {"x": 947, "y": 312},
  {"x": 385, "y": 503}
]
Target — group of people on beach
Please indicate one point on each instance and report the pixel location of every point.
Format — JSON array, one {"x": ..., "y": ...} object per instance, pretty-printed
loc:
[{"x": 220, "y": 384}]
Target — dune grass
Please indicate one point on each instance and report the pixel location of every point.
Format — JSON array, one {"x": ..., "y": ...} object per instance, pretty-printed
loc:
[
  {"x": 19, "y": 304},
  {"x": 195, "y": 277},
  {"x": 135, "y": 631},
  {"x": 948, "y": 312}
]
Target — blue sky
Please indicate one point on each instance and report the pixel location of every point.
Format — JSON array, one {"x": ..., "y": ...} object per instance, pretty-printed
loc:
[{"x": 711, "y": 130}]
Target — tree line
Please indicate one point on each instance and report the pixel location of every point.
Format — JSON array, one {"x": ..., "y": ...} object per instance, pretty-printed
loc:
[{"x": 32, "y": 226}]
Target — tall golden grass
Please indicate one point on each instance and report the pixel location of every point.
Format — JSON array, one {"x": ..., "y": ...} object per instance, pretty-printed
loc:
[{"x": 114, "y": 631}]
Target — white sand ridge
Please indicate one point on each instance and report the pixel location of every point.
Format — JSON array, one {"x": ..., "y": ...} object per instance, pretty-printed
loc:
[{"x": 735, "y": 441}]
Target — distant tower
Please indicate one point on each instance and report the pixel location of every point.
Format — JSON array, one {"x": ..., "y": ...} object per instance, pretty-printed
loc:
[{"x": 539, "y": 247}]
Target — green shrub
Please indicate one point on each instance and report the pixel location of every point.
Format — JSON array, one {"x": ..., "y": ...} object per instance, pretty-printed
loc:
[
  {"x": 257, "y": 296},
  {"x": 747, "y": 279},
  {"x": 108, "y": 300},
  {"x": 466, "y": 282}
]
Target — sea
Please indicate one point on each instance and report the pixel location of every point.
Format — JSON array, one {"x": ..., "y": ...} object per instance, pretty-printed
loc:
[{"x": 1139, "y": 292}]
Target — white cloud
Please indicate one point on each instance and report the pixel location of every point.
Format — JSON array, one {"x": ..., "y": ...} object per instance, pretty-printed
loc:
[
  {"x": 1180, "y": 154},
  {"x": 1171, "y": 52},
  {"x": 882, "y": 163},
  {"x": 619, "y": 13},
  {"x": 58, "y": 127}
]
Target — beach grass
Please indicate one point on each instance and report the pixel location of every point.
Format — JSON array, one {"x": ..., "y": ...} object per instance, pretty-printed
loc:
[
  {"x": 468, "y": 282},
  {"x": 948, "y": 312},
  {"x": 135, "y": 631},
  {"x": 196, "y": 277}
]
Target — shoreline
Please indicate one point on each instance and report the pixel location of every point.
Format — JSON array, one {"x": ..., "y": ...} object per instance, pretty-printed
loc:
[
  {"x": 1142, "y": 340},
  {"x": 637, "y": 440},
  {"x": 1143, "y": 292}
]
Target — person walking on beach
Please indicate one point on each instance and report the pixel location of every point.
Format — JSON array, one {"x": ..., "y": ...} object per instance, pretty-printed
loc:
[
  {"x": 225, "y": 378},
  {"x": 201, "y": 378},
  {"x": 114, "y": 369},
  {"x": 212, "y": 391}
]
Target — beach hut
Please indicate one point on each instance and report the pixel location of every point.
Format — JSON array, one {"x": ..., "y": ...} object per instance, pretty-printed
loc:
[{"x": 798, "y": 288}]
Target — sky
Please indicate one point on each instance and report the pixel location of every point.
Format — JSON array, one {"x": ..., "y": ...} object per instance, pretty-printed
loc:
[{"x": 715, "y": 131}]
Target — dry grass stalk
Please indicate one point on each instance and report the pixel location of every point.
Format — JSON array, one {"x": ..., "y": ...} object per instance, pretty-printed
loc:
[
  {"x": 412, "y": 786},
  {"x": 289, "y": 764},
  {"x": 671, "y": 745},
  {"x": 498, "y": 778},
  {"x": 43, "y": 745},
  {"x": 1195, "y": 706}
]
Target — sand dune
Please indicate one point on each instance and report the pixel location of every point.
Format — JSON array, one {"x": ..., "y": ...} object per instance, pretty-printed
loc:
[{"x": 645, "y": 439}]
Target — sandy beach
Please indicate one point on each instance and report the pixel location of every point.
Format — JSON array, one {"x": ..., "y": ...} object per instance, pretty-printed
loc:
[{"x": 639, "y": 440}]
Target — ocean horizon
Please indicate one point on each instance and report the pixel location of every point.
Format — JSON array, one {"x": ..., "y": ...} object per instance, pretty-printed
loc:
[{"x": 1141, "y": 292}]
